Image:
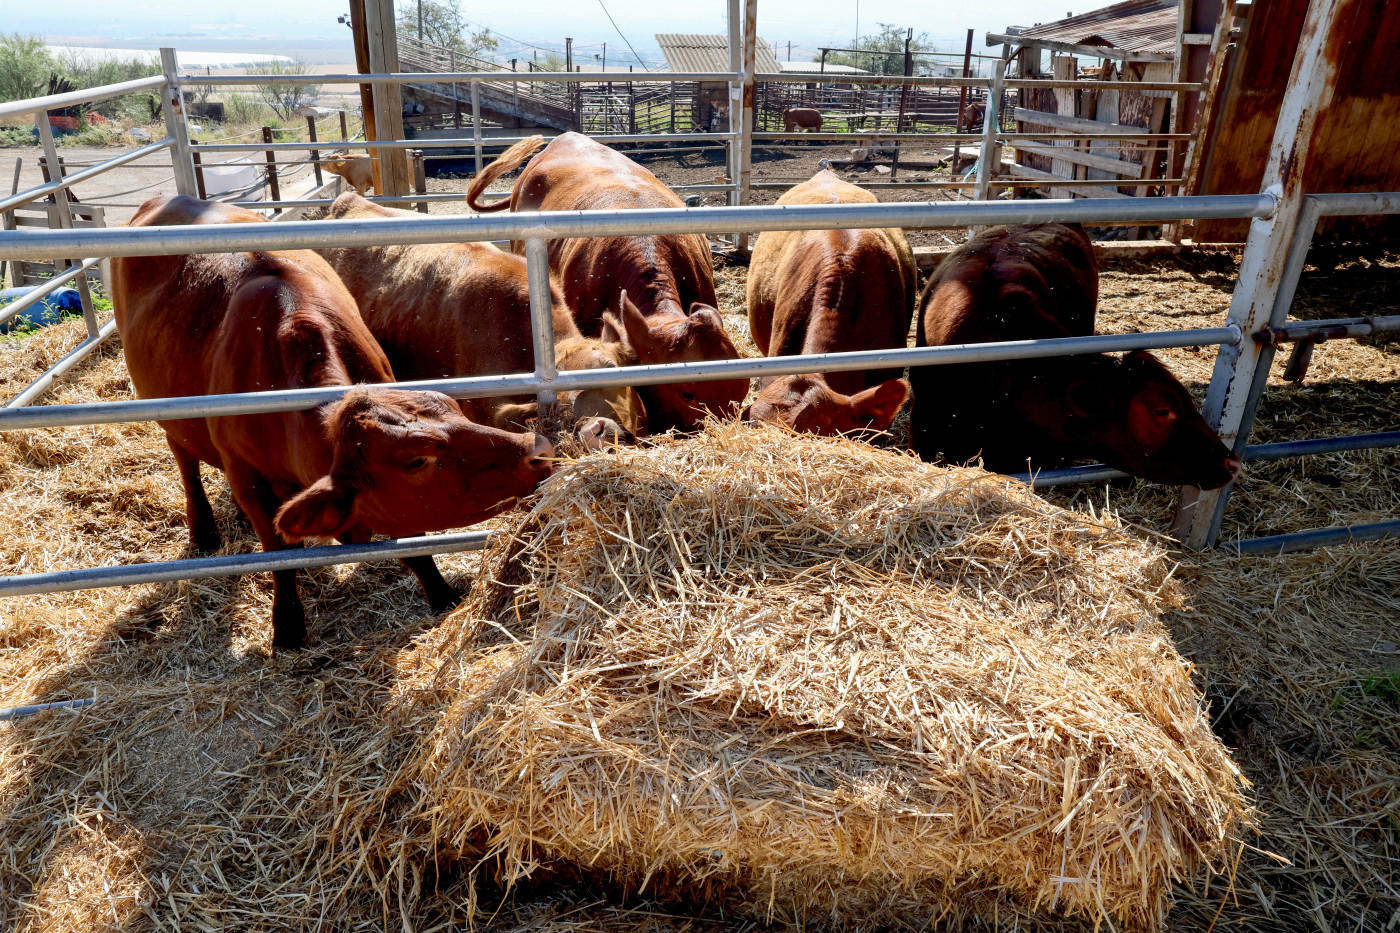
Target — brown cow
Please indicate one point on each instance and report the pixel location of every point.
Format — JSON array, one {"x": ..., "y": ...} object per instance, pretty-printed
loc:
[
  {"x": 463, "y": 309},
  {"x": 377, "y": 461},
  {"x": 356, "y": 168},
  {"x": 802, "y": 118},
  {"x": 659, "y": 290},
  {"x": 1036, "y": 282},
  {"x": 830, "y": 291}
]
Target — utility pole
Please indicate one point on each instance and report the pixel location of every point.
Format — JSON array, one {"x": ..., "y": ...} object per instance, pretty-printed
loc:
[
  {"x": 605, "y": 56},
  {"x": 568, "y": 53},
  {"x": 420, "y": 20},
  {"x": 789, "y": 50}
]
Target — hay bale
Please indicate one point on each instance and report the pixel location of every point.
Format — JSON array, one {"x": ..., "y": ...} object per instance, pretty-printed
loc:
[{"x": 825, "y": 680}]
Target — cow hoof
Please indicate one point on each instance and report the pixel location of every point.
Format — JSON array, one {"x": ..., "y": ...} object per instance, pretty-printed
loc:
[
  {"x": 288, "y": 628},
  {"x": 444, "y": 600},
  {"x": 206, "y": 540}
]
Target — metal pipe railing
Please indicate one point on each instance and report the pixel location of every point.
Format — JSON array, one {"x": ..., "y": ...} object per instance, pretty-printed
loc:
[
  {"x": 60, "y": 369},
  {"x": 459, "y": 77},
  {"x": 322, "y": 234},
  {"x": 45, "y": 289},
  {"x": 1043, "y": 479},
  {"x": 20, "y": 108},
  {"x": 67, "y": 181},
  {"x": 250, "y": 403},
  {"x": 464, "y": 142},
  {"x": 195, "y": 568},
  {"x": 1320, "y": 537}
]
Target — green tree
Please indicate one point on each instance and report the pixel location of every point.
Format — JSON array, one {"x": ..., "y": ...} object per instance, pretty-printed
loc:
[
  {"x": 284, "y": 97},
  {"x": 890, "y": 38},
  {"x": 25, "y": 66},
  {"x": 444, "y": 25}
]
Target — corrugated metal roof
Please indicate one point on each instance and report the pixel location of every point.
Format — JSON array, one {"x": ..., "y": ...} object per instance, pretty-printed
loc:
[
  {"x": 1134, "y": 26},
  {"x": 688, "y": 51},
  {"x": 816, "y": 68}
]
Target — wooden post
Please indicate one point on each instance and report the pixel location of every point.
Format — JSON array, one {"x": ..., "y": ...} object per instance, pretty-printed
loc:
[
  {"x": 1063, "y": 69},
  {"x": 315, "y": 154},
  {"x": 199, "y": 175},
  {"x": 360, "y": 36},
  {"x": 420, "y": 179},
  {"x": 344, "y": 128},
  {"x": 273, "y": 185},
  {"x": 388, "y": 104},
  {"x": 962, "y": 98}
]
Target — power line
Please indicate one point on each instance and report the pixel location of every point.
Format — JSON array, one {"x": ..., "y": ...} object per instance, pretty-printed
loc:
[{"x": 624, "y": 38}]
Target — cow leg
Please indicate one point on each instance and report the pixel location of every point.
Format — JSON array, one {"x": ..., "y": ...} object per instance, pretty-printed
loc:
[
  {"x": 254, "y": 495},
  {"x": 204, "y": 531},
  {"x": 439, "y": 593}
]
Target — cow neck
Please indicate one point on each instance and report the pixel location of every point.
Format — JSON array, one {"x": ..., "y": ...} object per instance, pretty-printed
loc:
[{"x": 648, "y": 280}]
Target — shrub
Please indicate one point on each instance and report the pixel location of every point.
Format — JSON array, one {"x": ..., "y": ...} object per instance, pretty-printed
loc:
[{"x": 25, "y": 66}]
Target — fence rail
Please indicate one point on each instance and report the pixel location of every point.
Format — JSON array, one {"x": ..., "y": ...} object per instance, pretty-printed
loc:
[{"x": 1277, "y": 232}]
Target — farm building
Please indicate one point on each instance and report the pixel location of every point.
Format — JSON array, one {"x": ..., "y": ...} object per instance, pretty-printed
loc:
[
  {"x": 704, "y": 52},
  {"x": 1243, "y": 54}
]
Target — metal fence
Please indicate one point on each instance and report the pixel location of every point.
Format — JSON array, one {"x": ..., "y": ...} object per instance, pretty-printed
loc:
[{"x": 1284, "y": 218}]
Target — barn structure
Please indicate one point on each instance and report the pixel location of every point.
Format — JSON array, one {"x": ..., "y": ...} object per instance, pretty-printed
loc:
[
  {"x": 703, "y": 52},
  {"x": 1242, "y": 54}
]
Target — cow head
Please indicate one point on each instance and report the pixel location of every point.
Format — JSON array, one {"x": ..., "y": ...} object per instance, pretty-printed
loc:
[
  {"x": 601, "y": 416},
  {"x": 1136, "y": 416},
  {"x": 807, "y": 403},
  {"x": 409, "y": 462},
  {"x": 678, "y": 338}
]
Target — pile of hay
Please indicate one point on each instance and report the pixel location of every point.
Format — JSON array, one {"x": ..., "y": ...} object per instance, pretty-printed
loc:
[{"x": 823, "y": 681}]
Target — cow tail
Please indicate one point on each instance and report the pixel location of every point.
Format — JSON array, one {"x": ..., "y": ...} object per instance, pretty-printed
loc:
[{"x": 510, "y": 159}]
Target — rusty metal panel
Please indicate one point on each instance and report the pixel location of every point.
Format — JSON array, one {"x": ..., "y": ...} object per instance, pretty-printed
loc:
[{"x": 1134, "y": 26}]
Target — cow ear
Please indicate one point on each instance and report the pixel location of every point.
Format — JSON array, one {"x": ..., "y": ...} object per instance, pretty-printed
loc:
[
  {"x": 612, "y": 330},
  {"x": 321, "y": 510},
  {"x": 880, "y": 404},
  {"x": 633, "y": 327},
  {"x": 515, "y": 416},
  {"x": 706, "y": 314}
]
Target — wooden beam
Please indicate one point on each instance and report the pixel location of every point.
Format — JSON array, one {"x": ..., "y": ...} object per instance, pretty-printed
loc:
[
  {"x": 1072, "y": 48},
  {"x": 1056, "y": 121},
  {"x": 388, "y": 102},
  {"x": 1064, "y": 68},
  {"x": 1022, "y": 171},
  {"x": 1086, "y": 159}
]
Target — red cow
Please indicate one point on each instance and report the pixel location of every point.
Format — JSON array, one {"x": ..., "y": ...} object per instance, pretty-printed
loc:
[
  {"x": 377, "y": 461},
  {"x": 659, "y": 290},
  {"x": 463, "y": 309},
  {"x": 827, "y": 291},
  {"x": 356, "y": 168},
  {"x": 802, "y": 118},
  {"x": 1035, "y": 282}
]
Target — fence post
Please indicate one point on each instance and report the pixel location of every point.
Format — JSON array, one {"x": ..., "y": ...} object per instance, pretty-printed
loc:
[
  {"x": 420, "y": 179},
  {"x": 476, "y": 122},
  {"x": 273, "y": 186},
  {"x": 315, "y": 154},
  {"x": 991, "y": 121},
  {"x": 541, "y": 317},
  {"x": 1266, "y": 265},
  {"x": 199, "y": 175},
  {"x": 344, "y": 128},
  {"x": 736, "y": 103},
  {"x": 173, "y": 107},
  {"x": 962, "y": 99},
  {"x": 64, "y": 215},
  {"x": 456, "y": 97},
  {"x": 746, "y": 97}
]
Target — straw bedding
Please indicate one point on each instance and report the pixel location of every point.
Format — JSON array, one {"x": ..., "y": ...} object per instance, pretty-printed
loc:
[
  {"x": 820, "y": 680},
  {"x": 213, "y": 786}
]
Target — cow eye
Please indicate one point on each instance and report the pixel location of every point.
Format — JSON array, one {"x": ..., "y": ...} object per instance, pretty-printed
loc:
[
  {"x": 688, "y": 396},
  {"x": 1162, "y": 412},
  {"x": 417, "y": 463}
]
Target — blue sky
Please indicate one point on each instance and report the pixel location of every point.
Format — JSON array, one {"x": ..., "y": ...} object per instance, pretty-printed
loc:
[{"x": 308, "y": 27}]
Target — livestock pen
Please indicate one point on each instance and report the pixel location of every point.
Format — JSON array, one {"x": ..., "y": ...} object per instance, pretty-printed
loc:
[{"x": 1283, "y": 216}]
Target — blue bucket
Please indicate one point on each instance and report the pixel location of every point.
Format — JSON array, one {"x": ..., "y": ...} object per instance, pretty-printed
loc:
[{"x": 49, "y": 310}]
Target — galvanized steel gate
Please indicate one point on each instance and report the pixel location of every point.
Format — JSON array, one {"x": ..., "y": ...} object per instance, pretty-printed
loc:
[{"x": 1283, "y": 220}]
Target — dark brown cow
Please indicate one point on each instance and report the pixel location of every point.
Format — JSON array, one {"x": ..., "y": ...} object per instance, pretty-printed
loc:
[
  {"x": 802, "y": 118},
  {"x": 668, "y": 314},
  {"x": 831, "y": 291},
  {"x": 1035, "y": 282},
  {"x": 377, "y": 461},
  {"x": 463, "y": 309}
]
